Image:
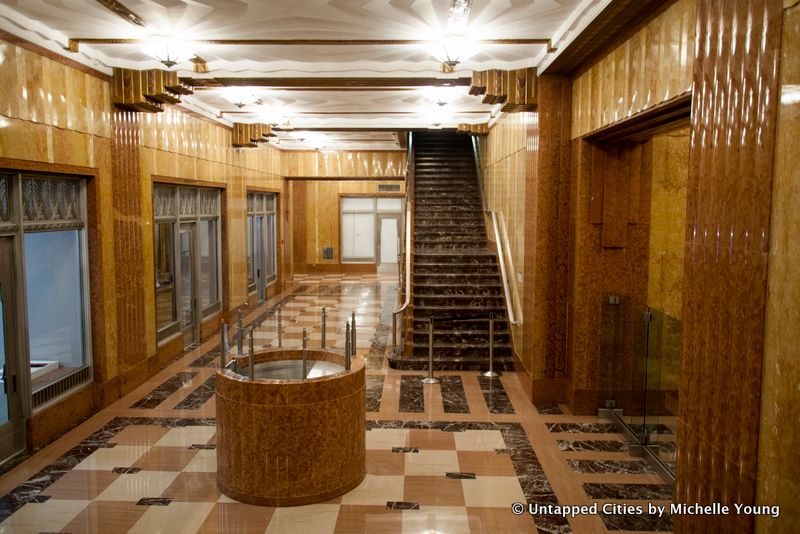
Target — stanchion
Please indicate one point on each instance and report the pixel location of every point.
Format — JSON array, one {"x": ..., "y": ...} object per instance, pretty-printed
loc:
[
  {"x": 353, "y": 346},
  {"x": 430, "y": 379},
  {"x": 279, "y": 327},
  {"x": 305, "y": 354},
  {"x": 223, "y": 345},
  {"x": 491, "y": 373},
  {"x": 347, "y": 348},
  {"x": 239, "y": 333},
  {"x": 322, "y": 335},
  {"x": 252, "y": 354}
]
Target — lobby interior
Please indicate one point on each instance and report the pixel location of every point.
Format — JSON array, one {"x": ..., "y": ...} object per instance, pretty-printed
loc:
[{"x": 598, "y": 193}]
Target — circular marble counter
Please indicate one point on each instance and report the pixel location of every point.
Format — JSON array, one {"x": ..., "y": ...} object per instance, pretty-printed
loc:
[{"x": 291, "y": 442}]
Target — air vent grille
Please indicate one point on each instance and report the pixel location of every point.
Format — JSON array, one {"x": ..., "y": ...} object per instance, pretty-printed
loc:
[
  {"x": 56, "y": 389},
  {"x": 327, "y": 253},
  {"x": 388, "y": 188}
]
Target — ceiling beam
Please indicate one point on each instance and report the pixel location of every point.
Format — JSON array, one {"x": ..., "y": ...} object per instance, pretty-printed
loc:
[
  {"x": 120, "y": 10},
  {"x": 328, "y": 82},
  {"x": 338, "y": 113}
]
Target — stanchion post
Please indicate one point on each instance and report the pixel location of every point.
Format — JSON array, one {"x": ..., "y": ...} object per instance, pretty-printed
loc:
[
  {"x": 322, "y": 334},
  {"x": 279, "y": 327},
  {"x": 353, "y": 346},
  {"x": 491, "y": 373},
  {"x": 252, "y": 354},
  {"x": 430, "y": 379},
  {"x": 305, "y": 354},
  {"x": 223, "y": 345},
  {"x": 347, "y": 348},
  {"x": 239, "y": 333}
]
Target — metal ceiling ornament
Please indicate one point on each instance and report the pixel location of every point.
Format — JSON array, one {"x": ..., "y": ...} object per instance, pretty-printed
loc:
[{"x": 168, "y": 50}]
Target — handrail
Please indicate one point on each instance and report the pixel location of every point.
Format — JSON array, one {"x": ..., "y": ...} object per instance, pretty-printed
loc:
[
  {"x": 512, "y": 316},
  {"x": 512, "y": 270},
  {"x": 407, "y": 236},
  {"x": 477, "y": 157}
]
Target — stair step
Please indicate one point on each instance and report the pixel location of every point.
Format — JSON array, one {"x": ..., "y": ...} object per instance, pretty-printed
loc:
[
  {"x": 454, "y": 350},
  {"x": 418, "y": 363},
  {"x": 477, "y": 337},
  {"x": 453, "y": 327},
  {"x": 449, "y": 312}
]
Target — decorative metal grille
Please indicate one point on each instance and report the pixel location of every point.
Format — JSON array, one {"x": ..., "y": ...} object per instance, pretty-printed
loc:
[
  {"x": 163, "y": 201},
  {"x": 47, "y": 200},
  {"x": 188, "y": 199},
  {"x": 209, "y": 202},
  {"x": 260, "y": 203},
  {"x": 5, "y": 211}
]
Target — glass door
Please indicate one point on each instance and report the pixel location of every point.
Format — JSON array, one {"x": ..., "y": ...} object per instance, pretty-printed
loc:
[
  {"x": 389, "y": 239},
  {"x": 259, "y": 256},
  {"x": 188, "y": 302},
  {"x": 11, "y": 435}
]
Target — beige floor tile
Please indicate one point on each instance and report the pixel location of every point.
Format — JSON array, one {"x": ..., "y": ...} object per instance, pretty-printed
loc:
[
  {"x": 106, "y": 516},
  {"x": 108, "y": 459},
  {"x": 386, "y": 438},
  {"x": 439, "y": 519},
  {"x": 431, "y": 462},
  {"x": 311, "y": 519},
  {"x": 492, "y": 492},
  {"x": 361, "y": 519},
  {"x": 376, "y": 490},
  {"x": 49, "y": 516},
  {"x": 139, "y": 485},
  {"x": 187, "y": 436},
  {"x": 177, "y": 518},
  {"x": 479, "y": 440},
  {"x": 204, "y": 460}
]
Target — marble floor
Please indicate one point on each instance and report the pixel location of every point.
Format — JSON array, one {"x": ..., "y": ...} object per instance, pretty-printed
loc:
[{"x": 446, "y": 458}]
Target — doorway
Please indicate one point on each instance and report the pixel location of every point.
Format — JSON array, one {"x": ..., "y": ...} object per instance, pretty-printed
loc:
[
  {"x": 11, "y": 427},
  {"x": 190, "y": 325},
  {"x": 389, "y": 239}
]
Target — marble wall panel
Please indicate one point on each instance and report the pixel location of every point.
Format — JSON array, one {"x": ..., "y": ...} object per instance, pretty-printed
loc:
[
  {"x": 730, "y": 189},
  {"x": 778, "y": 475},
  {"x": 389, "y": 163},
  {"x": 652, "y": 66}
]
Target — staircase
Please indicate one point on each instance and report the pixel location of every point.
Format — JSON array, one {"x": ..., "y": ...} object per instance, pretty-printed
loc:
[{"x": 454, "y": 274}]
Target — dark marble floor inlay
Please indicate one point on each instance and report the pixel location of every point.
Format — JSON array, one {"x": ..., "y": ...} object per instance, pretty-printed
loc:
[
  {"x": 548, "y": 409},
  {"x": 159, "y": 394},
  {"x": 594, "y": 428},
  {"x": 454, "y": 400},
  {"x": 203, "y": 446},
  {"x": 154, "y": 501},
  {"x": 626, "y": 467},
  {"x": 209, "y": 359},
  {"x": 374, "y": 392},
  {"x": 412, "y": 398},
  {"x": 495, "y": 395},
  {"x": 126, "y": 470},
  {"x": 644, "y": 522},
  {"x": 643, "y": 492},
  {"x": 402, "y": 505},
  {"x": 593, "y": 445},
  {"x": 200, "y": 395},
  {"x": 405, "y": 450},
  {"x": 461, "y": 476}
]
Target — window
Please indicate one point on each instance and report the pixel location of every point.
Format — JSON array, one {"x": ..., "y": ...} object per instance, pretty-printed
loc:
[
  {"x": 50, "y": 225},
  {"x": 361, "y": 223},
  {"x": 262, "y": 236},
  {"x": 193, "y": 214}
]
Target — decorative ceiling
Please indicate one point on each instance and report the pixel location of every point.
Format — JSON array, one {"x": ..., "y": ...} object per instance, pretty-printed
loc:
[{"x": 354, "y": 69}]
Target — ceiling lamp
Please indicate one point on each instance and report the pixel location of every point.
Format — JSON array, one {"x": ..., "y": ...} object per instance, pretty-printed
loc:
[
  {"x": 442, "y": 95},
  {"x": 240, "y": 96},
  {"x": 168, "y": 51},
  {"x": 451, "y": 50}
]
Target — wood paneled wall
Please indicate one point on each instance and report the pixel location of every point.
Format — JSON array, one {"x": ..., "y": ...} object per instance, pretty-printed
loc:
[
  {"x": 734, "y": 111},
  {"x": 652, "y": 66}
]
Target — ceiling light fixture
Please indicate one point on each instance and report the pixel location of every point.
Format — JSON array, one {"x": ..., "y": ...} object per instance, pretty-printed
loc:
[
  {"x": 451, "y": 50},
  {"x": 167, "y": 50},
  {"x": 442, "y": 95},
  {"x": 240, "y": 96}
]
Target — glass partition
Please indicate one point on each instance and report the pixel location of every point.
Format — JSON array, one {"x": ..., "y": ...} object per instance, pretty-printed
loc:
[{"x": 641, "y": 350}]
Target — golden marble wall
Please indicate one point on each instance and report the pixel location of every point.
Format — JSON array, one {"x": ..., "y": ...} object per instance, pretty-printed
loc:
[
  {"x": 316, "y": 221},
  {"x": 778, "y": 472},
  {"x": 175, "y": 144},
  {"x": 503, "y": 158},
  {"x": 324, "y": 163},
  {"x": 669, "y": 175},
  {"x": 653, "y": 66}
]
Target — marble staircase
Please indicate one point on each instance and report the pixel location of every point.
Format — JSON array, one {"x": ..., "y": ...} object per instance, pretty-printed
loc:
[{"x": 454, "y": 274}]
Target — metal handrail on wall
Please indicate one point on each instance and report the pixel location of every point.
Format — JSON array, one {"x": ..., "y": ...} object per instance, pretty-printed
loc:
[
  {"x": 405, "y": 270},
  {"x": 503, "y": 247}
]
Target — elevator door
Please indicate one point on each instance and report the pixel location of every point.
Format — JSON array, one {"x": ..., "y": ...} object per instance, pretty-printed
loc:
[{"x": 11, "y": 435}]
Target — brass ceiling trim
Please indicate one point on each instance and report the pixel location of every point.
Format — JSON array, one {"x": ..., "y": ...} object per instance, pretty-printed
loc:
[
  {"x": 120, "y": 10},
  {"x": 311, "y": 42},
  {"x": 328, "y": 82}
]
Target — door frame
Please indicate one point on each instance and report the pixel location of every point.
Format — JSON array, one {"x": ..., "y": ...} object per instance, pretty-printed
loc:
[
  {"x": 12, "y": 433},
  {"x": 398, "y": 217}
]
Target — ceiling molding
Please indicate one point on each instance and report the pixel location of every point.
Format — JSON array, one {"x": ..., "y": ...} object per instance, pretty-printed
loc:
[
  {"x": 332, "y": 82},
  {"x": 312, "y": 42}
]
